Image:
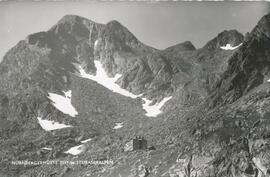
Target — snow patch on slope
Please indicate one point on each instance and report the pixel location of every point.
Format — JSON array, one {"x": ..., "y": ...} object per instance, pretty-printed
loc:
[
  {"x": 46, "y": 148},
  {"x": 63, "y": 103},
  {"x": 49, "y": 125},
  {"x": 229, "y": 47},
  {"x": 118, "y": 125},
  {"x": 108, "y": 82},
  {"x": 154, "y": 110},
  {"x": 78, "y": 149},
  {"x": 96, "y": 44},
  {"x": 75, "y": 150},
  {"x": 85, "y": 141}
]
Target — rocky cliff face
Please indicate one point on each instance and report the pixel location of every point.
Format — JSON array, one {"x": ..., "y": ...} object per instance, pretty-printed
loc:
[
  {"x": 188, "y": 139},
  {"x": 248, "y": 67}
]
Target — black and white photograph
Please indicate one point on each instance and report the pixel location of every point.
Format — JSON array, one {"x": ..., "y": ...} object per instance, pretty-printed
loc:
[{"x": 134, "y": 88}]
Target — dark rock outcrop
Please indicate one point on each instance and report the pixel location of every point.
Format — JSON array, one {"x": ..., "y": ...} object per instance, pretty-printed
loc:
[
  {"x": 247, "y": 68},
  {"x": 185, "y": 46}
]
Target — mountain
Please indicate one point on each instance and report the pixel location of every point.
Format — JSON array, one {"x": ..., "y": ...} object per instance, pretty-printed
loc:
[
  {"x": 185, "y": 46},
  {"x": 248, "y": 67},
  {"x": 82, "y": 90},
  {"x": 231, "y": 37}
]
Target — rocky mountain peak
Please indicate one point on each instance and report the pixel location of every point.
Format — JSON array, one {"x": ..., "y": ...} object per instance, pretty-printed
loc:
[
  {"x": 117, "y": 32},
  {"x": 114, "y": 24},
  {"x": 232, "y": 37},
  {"x": 248, "y": 66},
  {"x": 185, "y": 46},
  {"x": 70, "y": 28},
  {"x": 263, "y": 27},
  {"x": 73, "y": 19},
  {"x": 188, "y": 45}
]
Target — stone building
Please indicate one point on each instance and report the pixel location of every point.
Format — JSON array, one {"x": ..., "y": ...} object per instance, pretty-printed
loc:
[{"x": 137, "y": 143}]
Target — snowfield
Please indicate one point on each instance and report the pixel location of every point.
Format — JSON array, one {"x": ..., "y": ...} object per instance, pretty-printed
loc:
[
  {"x": 78, "y": 149},
  {"x": 102, "y": 78},
  {"x": 229, "y": 47},
  {"x": 63, "y": 103},
  {"x": 75, "y": 150},
  {"x": 154, "y": 110},
  {"x": 85, "y": 141},
  {"x": 49, "y": 125},
  {"x": 96, "y": 43},
  {"x": 108, "y": 82},
  {"x": 118, "y": 125},
  {"x": 46, "y": 148}
]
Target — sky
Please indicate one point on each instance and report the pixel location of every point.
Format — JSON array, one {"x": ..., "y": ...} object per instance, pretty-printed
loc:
[{"x": 158, "y": 24}]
